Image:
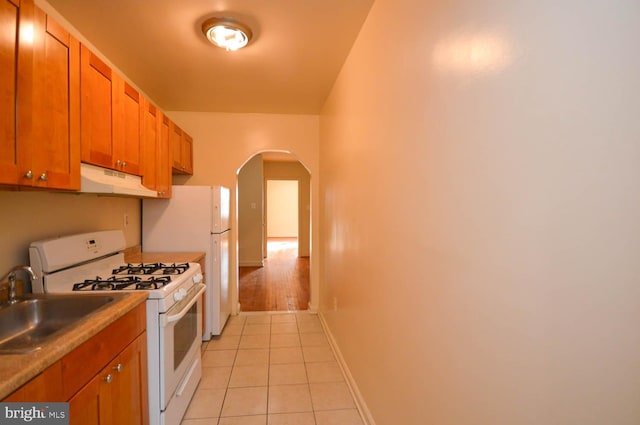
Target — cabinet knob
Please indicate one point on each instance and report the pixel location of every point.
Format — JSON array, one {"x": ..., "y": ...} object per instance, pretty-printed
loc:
[
  {"x": 118, "y": 162},
  {"x": 28, "y": 175},
  {"x": 118, "y": 367},
  {"x": 108, "y": 378},
  {"x": 43, "y": 177},
  {"x": 124, "y": 164}
]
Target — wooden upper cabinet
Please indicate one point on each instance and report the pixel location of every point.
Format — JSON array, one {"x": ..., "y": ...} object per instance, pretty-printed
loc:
[
  {"x": 187, "y": 153},
  {"x": 53, "y": 133},
  {"x": 39, "y": 97},
  {"x": 182, "y": 149},
  {"x": 9, "y": 15},
  {"x": 61, "y": 104},
  {"x": 175, "y": 138},
  {"x": 96, "y": 98},
  {"x": 156, "y": 169},
  {"x": 111, "y": 111},
  {"x": 127, "y": 113},
  {"x": 163, "y": 158},
  {"x": 149, "y": 144}
]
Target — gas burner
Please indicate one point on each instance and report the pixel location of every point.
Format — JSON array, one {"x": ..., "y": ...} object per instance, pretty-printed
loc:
[
  {"x": 154, "y": 283},
  {"x": 174, "y": 268},
  {"x": 111, "y": 284},
  {"x": 136, "y": 269},
  {"x": 103, "y": 286}
]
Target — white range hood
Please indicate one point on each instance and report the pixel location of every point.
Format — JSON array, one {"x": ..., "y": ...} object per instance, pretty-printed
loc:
[{"x": 105, "y": 181}]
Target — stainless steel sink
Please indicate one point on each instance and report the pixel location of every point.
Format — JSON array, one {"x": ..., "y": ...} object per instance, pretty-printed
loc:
[{"x": 26, "y": 325}]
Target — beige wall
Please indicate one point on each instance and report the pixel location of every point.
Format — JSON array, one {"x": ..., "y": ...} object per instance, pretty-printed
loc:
[
  {"x": 481, "y": 213},
  {"x": 29, "y": 216},
  {"x": 294, "y": 170},
  {"x": 223, "y": 142},
  {"x": 250, "y": 220}
]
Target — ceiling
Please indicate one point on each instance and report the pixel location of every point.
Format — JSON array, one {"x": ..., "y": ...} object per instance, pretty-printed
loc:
[{"x": 297, "y": 50}]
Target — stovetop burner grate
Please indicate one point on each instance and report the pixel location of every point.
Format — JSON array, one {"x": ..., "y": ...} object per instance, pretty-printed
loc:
[
  {"x": 110, "y": 284},
  {"x": 118, "y": 283},
  {"x": 155, "y": 283},
  {"x": 152, "y": 268}
]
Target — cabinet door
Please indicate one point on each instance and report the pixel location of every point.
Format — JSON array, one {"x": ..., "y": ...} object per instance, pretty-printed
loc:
[
  {"x": 187, "y": 153},
  {"x": 182, "y": 151},
  {"x": 176, "y": 146},
  {"x": 96, "y": 91},
  {"x": 127, "y": 111},
  {"x": 54, "y": 129},
  {"x": 149, "y": 145},
  {"x": 130, "y": 402},
  {"x": 118, "y": 393},
  {"x": 92, "y": 405},
  {"x": 9, "y": 15},
  {"x": 163, "y": 174}
]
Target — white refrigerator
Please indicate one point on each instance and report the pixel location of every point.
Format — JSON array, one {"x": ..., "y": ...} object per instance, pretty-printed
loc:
[{"x": 196, "y": 218}]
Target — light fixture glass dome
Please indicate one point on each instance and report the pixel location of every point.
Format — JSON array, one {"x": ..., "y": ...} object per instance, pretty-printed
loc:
[{"x": 226, "y": 33}]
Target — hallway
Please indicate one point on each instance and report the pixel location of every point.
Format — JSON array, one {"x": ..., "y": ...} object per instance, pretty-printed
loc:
[{"x": 281, "y": 285}]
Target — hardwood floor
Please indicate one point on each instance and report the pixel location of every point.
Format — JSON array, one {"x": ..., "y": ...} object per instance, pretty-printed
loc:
[{"x": 281, "y": 285}]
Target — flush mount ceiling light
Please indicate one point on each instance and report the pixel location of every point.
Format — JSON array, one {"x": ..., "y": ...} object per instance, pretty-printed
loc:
[{"x": 226, "y": 33}]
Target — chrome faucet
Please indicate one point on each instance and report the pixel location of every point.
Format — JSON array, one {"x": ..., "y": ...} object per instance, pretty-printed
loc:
[{"x": 11, "y": 277}]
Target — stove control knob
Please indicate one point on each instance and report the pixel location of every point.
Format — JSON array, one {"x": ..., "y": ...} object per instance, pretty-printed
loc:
[
  {"x": 180, "y": 294},
  {"x": 197, "y": 278}
]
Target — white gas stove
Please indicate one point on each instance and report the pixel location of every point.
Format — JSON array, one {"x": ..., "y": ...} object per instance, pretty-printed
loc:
[{"x": 89, "y": 262}]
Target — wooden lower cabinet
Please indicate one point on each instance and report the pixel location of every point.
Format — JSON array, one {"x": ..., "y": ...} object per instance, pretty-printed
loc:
[
  {"x": 130, "y": 387},
  {"x": 93, "y": 404},
  {"x": 104, "y": 379},
  {"x": 45, "y": 387},
  {"x": 117, "y": 394}
]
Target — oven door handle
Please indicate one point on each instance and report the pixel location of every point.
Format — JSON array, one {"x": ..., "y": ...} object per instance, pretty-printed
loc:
[{"x": 192, "y": 299}]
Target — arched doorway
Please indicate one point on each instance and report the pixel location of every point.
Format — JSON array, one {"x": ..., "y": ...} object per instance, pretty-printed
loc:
[{"x": 273, "y": 258}]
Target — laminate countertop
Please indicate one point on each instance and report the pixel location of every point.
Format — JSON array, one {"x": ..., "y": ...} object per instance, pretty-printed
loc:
[{"x": 18, "y": 369}]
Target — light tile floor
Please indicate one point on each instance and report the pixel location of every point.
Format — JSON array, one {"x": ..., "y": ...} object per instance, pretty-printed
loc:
[{"x": 271, "y": 369}]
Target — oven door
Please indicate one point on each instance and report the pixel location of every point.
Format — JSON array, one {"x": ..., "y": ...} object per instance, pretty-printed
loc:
[{"x": 180, "y": 342}]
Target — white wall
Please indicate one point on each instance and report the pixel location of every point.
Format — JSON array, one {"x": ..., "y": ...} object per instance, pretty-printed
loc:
[
  {"x": 282, "y": 208},
  {"x": 223, "y": 142},
  {"x": 481, "y": 212}
]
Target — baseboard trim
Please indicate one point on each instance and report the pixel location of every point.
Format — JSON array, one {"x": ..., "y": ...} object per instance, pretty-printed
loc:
[
  {"x": 313, "y": 308},
  {"x": 363, "y": 410}
]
